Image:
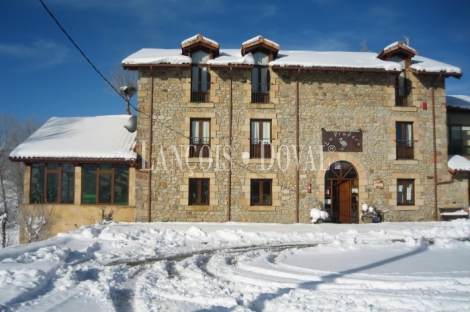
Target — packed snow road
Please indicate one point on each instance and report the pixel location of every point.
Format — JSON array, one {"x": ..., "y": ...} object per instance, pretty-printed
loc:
[{"x": 242, "y": 267}]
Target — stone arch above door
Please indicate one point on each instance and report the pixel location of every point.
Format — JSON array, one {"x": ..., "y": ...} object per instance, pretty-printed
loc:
[{"x": 328, "y": 161}]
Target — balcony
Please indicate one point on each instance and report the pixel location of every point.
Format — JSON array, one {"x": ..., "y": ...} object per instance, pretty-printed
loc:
[
  {"x": 401, "y": 101},
  {"x": 405, "y": 149},
  {"x": 259, "y": 97},
  {"x": 260, "y": 148},
  {"x": 200, "y": 96},
  {"x": 200, "y": 92},
  {"x": 200, "y": 147}
]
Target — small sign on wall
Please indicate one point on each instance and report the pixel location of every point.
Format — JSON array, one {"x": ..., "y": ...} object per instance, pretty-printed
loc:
[{"x": 378, "y": 184}]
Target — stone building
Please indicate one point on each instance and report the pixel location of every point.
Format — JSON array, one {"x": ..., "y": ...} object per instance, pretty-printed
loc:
[{"x": 258, "y": 134}]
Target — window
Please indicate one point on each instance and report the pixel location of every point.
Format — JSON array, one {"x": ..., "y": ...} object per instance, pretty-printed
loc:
[
  {"x": 260, "y": 139},
  {"x": 404, "y": 140},
  {"x": 200, "y": 77},
  {"x": 260, "y": 79},
  {"x": 405, "y": 192},
  {"x": 105, "y": 184},
  {"x": 260, "y": 85},
  {"x": 200, "y": 138},
  {"x": 402, "y": 83},
  {"x": 459, "y": 140},
  {"x": 261, "y": 192},
  {"x": 198, "y": 191},
  {"x": 402, "y": 90},
  {"x": 52, "y": 183}
]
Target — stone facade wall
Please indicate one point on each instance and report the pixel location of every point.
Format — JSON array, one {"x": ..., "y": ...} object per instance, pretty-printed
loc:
[
  {"x": 333, "y": 100},
  {"x": 66, "y": 218}
]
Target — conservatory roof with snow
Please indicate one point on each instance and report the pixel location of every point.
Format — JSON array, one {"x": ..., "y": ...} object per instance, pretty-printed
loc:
[
  {"x": 100, "y": 138},
  {"x": 458, "y": 163},
  {"x": 458, "y": 101},
  {"x": 333, "y": 60}
]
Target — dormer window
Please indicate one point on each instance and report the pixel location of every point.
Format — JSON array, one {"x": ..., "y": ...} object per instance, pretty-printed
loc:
[
  {"x": 402, "y": 83},
  {"x": 200, "y": 77},
  {"x": 263, "y": 52},
  {"x": 260, "y": 79},
  {"x": 200, "y": 49},
  {"x": 400, "y": 53}
]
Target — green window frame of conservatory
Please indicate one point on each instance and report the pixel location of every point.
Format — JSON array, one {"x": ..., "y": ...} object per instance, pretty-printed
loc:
[
  {"x": 105, "y": 184},
  {"x": 52, "y": 183}
]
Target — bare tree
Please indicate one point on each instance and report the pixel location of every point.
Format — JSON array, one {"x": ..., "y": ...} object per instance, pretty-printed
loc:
[
  {"x": 12, "y": 133},
  {"x": 125, "y": 82},
  {"x": 7, "y": 126},
  {"x": 36, "y": 223}
]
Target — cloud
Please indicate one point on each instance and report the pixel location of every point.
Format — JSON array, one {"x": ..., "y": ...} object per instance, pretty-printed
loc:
[
  {"x": 41, "y": 53},
  {"x": 269, "y": 10}
]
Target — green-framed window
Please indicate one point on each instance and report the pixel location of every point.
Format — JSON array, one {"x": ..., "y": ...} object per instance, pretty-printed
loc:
[
  {"x": 105, "y": 184},
  {"x": 52, "y": 183}
]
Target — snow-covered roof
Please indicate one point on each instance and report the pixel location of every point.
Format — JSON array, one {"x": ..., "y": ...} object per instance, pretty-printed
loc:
[
  {"x": 306, "y": 59},
  {"x": 349, "y": 60},
  {"x": 232, "y": 57},
  {"x": 257, "y": 38},
  {"x": 458, "y": 163},
  {"x": 194, "y": 38},
  {"x": 80, "y": 138},
  {"x": 399, "y": 44},
  {"x": 157, "y": 56},
  {"x": 426, "y": 65},
  {"x": 460, "y": 101}
]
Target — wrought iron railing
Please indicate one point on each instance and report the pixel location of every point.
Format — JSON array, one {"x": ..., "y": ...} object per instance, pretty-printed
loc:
[
  {"x": 199, "y": 147},
  {"x": 405, "y": 149},
  {"x": 260, "y": 148},
  {"x": 259, "y": 97},
  {"x": 200, "y": 92},
  {"x": 401, "y": 101}
]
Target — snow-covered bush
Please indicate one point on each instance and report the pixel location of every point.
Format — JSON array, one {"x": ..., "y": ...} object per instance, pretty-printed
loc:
[
  {"x": 316, "y": 215},
  {"x": 370, "y": 212},
  {"x": 36, "y": 223}
]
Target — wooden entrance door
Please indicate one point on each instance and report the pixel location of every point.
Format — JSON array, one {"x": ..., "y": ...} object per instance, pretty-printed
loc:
[{"x": 344, "y": 194}]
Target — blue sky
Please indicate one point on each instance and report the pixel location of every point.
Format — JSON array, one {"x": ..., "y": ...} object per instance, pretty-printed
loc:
[{"x": 43, "y": 75}]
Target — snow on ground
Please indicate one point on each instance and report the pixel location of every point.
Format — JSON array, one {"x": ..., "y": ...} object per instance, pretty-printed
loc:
[{"x": 242, "y": 267}]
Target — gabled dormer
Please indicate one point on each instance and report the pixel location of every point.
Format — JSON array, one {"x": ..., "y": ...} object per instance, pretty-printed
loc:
[
  {"x": 263, "y": 51},
  {"x": 398, "y": 52},
  {"x": 200, "y": 49},
  {"x": 261, "y": 44},
  {"x": 402, "y": 54},
  {"x": 200, "y": 43}
]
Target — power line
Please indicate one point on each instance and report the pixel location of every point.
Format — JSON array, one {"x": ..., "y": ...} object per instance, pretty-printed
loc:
[
  {"x": 99, "y": 73},
  {"x": 109, "y": 83},
  {"x": 80, "y": 50}
]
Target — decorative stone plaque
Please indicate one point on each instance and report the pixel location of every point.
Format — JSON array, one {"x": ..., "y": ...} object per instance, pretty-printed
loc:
[{"x": 342, "y": 141}]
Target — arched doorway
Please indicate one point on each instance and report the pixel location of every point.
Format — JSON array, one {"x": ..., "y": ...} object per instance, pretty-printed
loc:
[{"x": 342, "y": 192}]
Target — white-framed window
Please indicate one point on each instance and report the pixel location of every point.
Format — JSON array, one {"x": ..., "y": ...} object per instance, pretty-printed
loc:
[
  {"x": 405, "y": 192},
  {"x": 260, "y": 138},
  {"x": 200, "y": 140}
]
